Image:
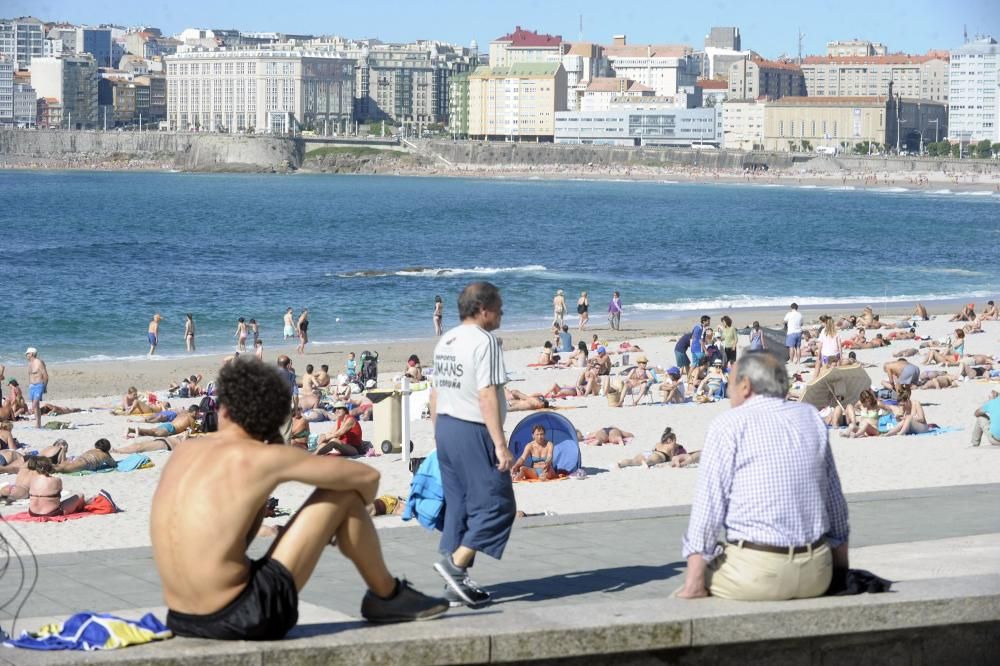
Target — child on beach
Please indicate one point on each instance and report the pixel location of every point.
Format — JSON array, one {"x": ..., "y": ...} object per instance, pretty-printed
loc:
[
  {"x": 258, "y": 349},
  {"x": 351, "y": 366}
]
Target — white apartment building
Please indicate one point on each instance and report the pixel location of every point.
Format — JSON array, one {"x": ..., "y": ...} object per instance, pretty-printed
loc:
[
  {"x": 974, "y": 91},
  {"x": 916, "y": 76},
  {"x": 518, "y": 102},
  {"x": 743, "y": 124},
  {"x": 262, "y": 91},
  {"x": 603, "y": 91},
  {"x": 526, "y": 46},
  {"x": 22, "y": 39},
  {"x": 855, "y": 48},
  {"x": 6, "y": 90},
  {"x": 583, "y": 63},
  {"x": 665, "y": 69},
  {"x": 70, "y": 80}
]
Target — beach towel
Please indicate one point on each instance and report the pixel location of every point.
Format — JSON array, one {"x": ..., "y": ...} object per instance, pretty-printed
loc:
[
  {"x": 99, "y": 506},
  {"x": 938, "y": 430},
  {"x": 426, "y": 500},
  {"x": 93, "y": 631},
  {"x": 134, "y": 462}
]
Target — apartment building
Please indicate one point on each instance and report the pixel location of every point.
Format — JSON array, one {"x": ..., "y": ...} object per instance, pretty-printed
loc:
[
  {"x": 6, "y": 90},
  {"x": 526, "y": 46},
  {"x": 262, "y": 91},
  {"x": 913, "y": 76},
  {"x": 71, "y": 80},
  {"x": 855, "y": 48},
  {"x": 974, "y": 91},
  {"x": 756, "y": 77},
  {"x": 21, "y": 40},
  {"x": 602, "y": 91},
  {"x": 743, "y": 124},
  {"x": 516, "y": 103},
  {"x": 667, "y": 69}
]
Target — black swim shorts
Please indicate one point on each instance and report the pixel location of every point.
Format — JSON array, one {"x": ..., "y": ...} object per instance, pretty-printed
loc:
[{"x": 266, "y": 609}]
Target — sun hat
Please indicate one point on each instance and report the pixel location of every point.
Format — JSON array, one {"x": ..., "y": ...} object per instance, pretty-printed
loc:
[
  {"x": 559, "y": 292},
  {"x": 31, "y": 350},
  {"x": 601, "y": 350},
  {"x": 641, "y": 359},
  {"x": 340, "y": 404},
  {"x": 717, "y": 361},
  {"x": 342, "y": 380},
  {"x": 370, "y": 383}
]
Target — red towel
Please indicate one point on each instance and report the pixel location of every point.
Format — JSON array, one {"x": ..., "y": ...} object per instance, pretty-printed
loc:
[{"x": 97, "y": 507}]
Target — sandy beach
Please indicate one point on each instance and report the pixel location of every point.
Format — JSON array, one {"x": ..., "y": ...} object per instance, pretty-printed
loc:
[{"x": 865, "y": 464}]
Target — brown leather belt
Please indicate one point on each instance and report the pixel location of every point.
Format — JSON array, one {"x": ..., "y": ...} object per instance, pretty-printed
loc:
[{"x": 778, "y": 549}]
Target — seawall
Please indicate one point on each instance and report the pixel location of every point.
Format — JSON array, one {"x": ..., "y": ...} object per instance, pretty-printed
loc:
[{"x": 181, "y": 150}]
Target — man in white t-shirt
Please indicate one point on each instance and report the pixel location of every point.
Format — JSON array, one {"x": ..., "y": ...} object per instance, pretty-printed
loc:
[
  {"x": 793, "y": 334},
  {"x": 468, "y": 409}
]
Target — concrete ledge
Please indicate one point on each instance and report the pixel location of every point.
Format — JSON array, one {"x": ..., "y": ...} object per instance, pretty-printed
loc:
[{"x": 964, "y": 614}]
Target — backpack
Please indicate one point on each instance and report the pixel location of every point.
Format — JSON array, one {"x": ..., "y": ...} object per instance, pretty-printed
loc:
[
  {"x": 210, "y": 422},
  {"x": 206, "y": 405},
  {"x": 369, "y": 367}
]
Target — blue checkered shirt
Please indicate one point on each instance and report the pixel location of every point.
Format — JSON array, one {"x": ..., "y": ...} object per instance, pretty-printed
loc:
[{"x": 767, "y": 475}]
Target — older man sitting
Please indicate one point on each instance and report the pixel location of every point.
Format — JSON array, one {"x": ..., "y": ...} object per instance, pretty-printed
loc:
[{"x": 768, "y": 476}]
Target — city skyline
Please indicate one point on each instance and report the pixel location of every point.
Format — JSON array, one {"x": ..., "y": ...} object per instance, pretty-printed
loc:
[{"x": 773, "y": 34}]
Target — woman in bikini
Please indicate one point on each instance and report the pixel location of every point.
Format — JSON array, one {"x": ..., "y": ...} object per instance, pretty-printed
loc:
[
  {"x": 578, "y": 358},
  {"x": 45, "y": 494},
  {"x": 189, "y": 332},
  {"x": 155, "y": 444},
  {"x": 909, "y": 416},
  {"x": 95, "y": 459},
  {"x": 11, "y": 461},
  {"x": 864, "y": 416},
  {"x": 609, "y": 435},
  {"x": 19, "y": 489},
  {"x": 300, "y": 430},
  {"x": 536, "y": 459},
  {"x": 639, "y": 376},
  {"x": 661, "y": 453},
  {"x": 951, "y": 356},
  {"x": 241, "y": 335}
]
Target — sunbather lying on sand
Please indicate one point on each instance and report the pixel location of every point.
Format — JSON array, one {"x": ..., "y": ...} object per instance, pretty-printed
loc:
[
  {"x": 50, "y": 409},
  {"x": 903, "y": 335},
  {"x": 685, "y": 459},
  {"x": 609, "y": 435},
  {"x": 11, "y": 461},
  {"x": 7, "y": 440},
  {"x": 661, "y": 453},
  {"x": 522, "y": 402},
  {"x": 155, "y": 444},
  {"x": 182, "y": 421},
  {"x": 940, "y": 382},
  {"x": 906, "y": 353},
  {"x": 95, "y": 459}
]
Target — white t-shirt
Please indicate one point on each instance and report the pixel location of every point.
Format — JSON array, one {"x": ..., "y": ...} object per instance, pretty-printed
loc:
[
  {"x": 468, "y": 359},
  {"x": 794, "y": 321},
  {"x": 829, "y": 344}
]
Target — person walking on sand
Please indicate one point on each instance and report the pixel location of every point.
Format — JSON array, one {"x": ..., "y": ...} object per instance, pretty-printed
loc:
[
  {"x": 189, "y": 332},
  {"x": 38, "y": 383},
  {"x": 153, "y": 333},
  {"x": 583, "y": 309},
  {"x": 558, "y": 308},
  {"x": 289, "y": 324},
  {"x": 303, "y": 327},
  {"x": 467, "y": 408},
  {"x": 438, "y": 315},
  {"x": 615, "y": 312},
  {"x": 793, "y": 333}
]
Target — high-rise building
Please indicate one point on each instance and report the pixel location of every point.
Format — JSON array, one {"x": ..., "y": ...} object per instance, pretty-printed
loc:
[
  {"x": 915, "y": 76},
  {"x": 518, "y": 102},
  {"x": 261, "y": 91},
  {"x": 71, "y": 81},
  {"x": 974, "y": 91},
  {"x": 98, "y": 43},
  {"x": 723, "y": 38},
  {"x": 22, "y": 39},
  {"x": 25, "y": 106},
  {"x": 6, "y": 90},
  {"x": 755, "y": 77}
]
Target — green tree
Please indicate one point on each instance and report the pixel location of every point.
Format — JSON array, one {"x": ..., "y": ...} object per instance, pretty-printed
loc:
[
  {"x": 806, "y": 145},
  {"x": 932, "y": 149},
  {"x": 956, "y": 150},
  {"x": 984, "y": 149},
  {"x": 996, "y": 148}
]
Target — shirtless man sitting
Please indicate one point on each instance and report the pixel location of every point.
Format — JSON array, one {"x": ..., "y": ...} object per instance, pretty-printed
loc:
[
  {"x": 182, "y": 421},
  {"x": 212, "y": 589},
  {"x": 990, "y": 313},
  {"x": 322, "y": 377},
  {"x": 93, "y": 460}
]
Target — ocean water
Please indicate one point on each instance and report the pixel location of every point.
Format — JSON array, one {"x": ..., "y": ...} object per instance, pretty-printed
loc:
[{"x": 89, "y": 256}]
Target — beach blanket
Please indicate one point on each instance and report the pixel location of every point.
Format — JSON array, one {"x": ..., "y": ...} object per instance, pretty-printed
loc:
[
  {"x": 99, "y": 506},
  {"x": 93, "y": 631},
  {"x": 426, "y": 500},
  {"x": 939, "y": 430}
]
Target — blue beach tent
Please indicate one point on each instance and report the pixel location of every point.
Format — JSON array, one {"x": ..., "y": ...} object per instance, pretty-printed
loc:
[{"x": 559, "y": 430}]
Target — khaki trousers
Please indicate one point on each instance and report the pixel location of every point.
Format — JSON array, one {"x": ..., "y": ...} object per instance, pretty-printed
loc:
[
  {"x": 753, "y": 575},
  {"x": 982, "y": 427}
]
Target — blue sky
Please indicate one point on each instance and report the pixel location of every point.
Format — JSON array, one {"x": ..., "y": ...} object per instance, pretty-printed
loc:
[{"x": 767, "y": 26}]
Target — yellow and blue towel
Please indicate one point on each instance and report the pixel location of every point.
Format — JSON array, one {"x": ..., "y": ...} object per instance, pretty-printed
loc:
[{"x": 93, "y": 631}]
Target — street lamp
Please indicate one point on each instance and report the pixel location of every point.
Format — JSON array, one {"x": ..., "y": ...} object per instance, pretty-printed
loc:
[{"x": 935, "y": 121}]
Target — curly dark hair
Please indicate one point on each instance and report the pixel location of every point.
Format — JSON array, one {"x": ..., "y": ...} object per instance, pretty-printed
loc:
[
  {"x": 256, "y": 397},
  {"x": 103, "y": 445}
]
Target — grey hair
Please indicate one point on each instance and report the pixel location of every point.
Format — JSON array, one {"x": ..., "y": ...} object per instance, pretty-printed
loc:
[{"x": 764, "y": 371}]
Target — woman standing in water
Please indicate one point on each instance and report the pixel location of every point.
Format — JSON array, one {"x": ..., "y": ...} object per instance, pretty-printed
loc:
[
  {"x": 438, "y": 315},
  {"x": 241, "y": 334},
  {"x": 583, "y": 309}
]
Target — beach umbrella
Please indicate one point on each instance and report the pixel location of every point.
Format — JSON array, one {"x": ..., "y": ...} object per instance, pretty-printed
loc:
[{"x": 847, "y": 382}]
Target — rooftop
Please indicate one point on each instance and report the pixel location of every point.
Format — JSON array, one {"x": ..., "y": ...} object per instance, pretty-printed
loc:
[
  {"x": 775, "y": 64},
  {"x": 522, "y": 38},
  {"x": 648, "y": 51},
  {"x": 611, "y": 84},
  {"x": 878, "y": 100},
  {"x": 894, "y": 59},
  {"x": 521, "y": 69},
  {"x": 712, "y": 84}
]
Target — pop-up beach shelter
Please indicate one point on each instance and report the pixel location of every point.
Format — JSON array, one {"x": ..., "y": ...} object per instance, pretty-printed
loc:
[{"x": 558, "y": 430}]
